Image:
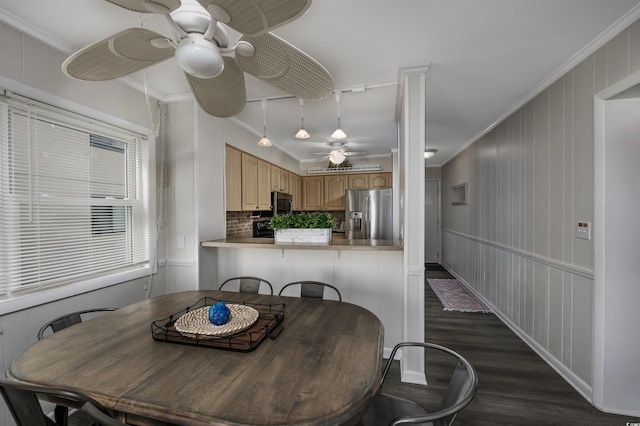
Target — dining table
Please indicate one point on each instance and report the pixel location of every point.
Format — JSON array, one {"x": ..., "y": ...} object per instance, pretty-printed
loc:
[{"x": 302, "y": 362}]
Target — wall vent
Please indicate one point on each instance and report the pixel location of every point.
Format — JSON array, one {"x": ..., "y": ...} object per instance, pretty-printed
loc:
[{"x": 358, "y": 168}]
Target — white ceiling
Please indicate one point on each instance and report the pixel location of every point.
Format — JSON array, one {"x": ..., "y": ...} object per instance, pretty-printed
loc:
[{"x": 485, "y": 58}]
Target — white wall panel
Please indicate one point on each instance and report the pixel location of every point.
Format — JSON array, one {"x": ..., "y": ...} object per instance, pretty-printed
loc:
[
  {"x": 531, "y": 179},
  {"x": 371, "y": 279}
]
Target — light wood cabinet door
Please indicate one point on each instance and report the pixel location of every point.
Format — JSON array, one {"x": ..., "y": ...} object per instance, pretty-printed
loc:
[
  {"x": 275, "y": 178},
  {"x": 233, "y": 178},
  {"x": 334, "y": 187},
  {"x": 284, "y": 181},
  {"x": 359, "y": 181},
  {"x": 379, "y": 180},
  {"x": 264, "y": 185},
  {"x": 296, "y": 191},
  {"x": 249, "y": 182},
  {"x": 312, "y": 193}
]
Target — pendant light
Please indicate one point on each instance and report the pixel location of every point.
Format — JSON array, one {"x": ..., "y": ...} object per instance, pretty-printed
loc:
[
  {"x": 338, "y": 134},
  {"x": 264, "y": 141},
  {"x": 302, "y": 133}
]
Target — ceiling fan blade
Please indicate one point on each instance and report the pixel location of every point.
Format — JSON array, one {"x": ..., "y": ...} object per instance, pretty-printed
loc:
[
  {"x": 222, "y": 96},
  {"x": 353, "y": 153},
  {"x": 139, "y": 5},
  {"x": 256, "y": 17},
  {"x": 286, "y": 67},
  {"x": 121, "y": 54}
]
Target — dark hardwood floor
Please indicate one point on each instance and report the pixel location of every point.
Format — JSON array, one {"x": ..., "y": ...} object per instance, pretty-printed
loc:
[{"x": 516, "y": 386}]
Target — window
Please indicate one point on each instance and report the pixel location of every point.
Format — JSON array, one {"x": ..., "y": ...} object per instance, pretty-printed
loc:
[{"x": 74, "y": 199}]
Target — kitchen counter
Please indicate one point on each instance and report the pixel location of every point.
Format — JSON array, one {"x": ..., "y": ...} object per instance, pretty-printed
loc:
[{"x": 335, "y": 244}]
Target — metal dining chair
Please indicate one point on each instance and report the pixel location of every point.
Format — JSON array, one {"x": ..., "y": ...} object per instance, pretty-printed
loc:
[
  {"x": 247, "y": 284},
  {"x": 67, "y": 320},
  {"x": 61, "y": 412},
  {"x": 23, "y": 401},
  {"x": 391, "y": 410},
  {"x": 312, "y": 289}
]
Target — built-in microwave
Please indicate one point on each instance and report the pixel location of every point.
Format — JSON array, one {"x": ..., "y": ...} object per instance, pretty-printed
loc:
[{"x": 281, "y": 203}]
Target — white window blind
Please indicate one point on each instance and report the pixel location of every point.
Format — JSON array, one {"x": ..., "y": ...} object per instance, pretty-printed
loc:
[{"x": 74, "y": 199}]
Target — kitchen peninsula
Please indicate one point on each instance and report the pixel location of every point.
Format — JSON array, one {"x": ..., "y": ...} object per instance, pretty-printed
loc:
[
  {"x": 335, "y": 244},
  {"x": 368, "y": 273}
]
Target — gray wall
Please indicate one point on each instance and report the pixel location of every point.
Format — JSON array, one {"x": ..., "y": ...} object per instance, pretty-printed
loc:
[{"x": 531, "y": 179}]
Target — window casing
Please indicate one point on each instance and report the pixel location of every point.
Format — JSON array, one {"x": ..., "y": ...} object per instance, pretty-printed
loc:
[{"x": 74, "y": 199}]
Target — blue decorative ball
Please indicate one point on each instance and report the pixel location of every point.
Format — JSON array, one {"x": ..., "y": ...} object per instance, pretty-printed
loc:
[{"x": 219, "y": 313}]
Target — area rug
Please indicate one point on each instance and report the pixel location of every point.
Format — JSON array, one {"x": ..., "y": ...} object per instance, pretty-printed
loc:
[{"x": 455, "y": 297}]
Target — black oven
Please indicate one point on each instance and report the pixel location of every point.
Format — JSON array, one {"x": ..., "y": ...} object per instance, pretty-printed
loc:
[{"x": 262, "y": 229}]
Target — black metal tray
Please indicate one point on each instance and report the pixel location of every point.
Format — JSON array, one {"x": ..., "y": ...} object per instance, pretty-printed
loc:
[{"x": 269, "y": 323}]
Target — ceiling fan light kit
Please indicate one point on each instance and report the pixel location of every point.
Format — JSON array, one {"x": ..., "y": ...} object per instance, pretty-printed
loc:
[
  {"x": 199, "y": 57},
  {"x": 429, "y": 153},
  {"x": 337, "y": 157}
]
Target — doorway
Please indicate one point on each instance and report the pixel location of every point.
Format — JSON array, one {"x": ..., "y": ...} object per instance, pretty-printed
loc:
[
  {"x": 616, "y": 244},
  {"x": 432, "y": 238}
]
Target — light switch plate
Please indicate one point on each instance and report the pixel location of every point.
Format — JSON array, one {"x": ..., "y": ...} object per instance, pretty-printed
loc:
[{"x": 583, "y": 230}]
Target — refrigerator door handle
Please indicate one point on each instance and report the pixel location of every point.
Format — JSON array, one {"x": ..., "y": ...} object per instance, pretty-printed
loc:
[{"x": 366, "y": 213}]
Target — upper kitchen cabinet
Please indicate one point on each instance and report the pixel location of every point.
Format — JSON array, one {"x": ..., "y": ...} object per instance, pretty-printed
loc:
[
  {"x": 255, "y": 183},
  {"x": 275, "y": 178},
  {"x": 233, "y": 178},
  {"x": 284, "y": 181},
  {"x": 334, "y": 188},
  {"x": 359, "y": 181},
  {"x": 264, "y": 185},
  {"x": 323, "y": 192},
  {"x": 295, "y": 186},
  {"x": 313, "y": 193},
  {"x": 379, "y": 180}
]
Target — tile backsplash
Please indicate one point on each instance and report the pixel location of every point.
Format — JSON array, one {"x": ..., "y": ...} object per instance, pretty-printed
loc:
[{"x": 240, "y": 224}]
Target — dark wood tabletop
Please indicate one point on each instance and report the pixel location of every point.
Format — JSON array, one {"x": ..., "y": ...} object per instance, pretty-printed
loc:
[{"x": 322, "y": 369}]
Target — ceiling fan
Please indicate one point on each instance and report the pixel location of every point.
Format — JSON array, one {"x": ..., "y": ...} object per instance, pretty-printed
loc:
[
  {"x": 201, "y": 37},
  {"x": 339, "y": 153}
]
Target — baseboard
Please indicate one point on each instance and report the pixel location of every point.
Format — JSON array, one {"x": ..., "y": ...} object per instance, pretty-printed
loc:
[
  {"x": 406, "y": 376},
  {"x": 582, "y": 387}
]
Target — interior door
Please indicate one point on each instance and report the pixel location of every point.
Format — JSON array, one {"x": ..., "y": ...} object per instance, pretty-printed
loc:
[{"x": 432, "y": 239}]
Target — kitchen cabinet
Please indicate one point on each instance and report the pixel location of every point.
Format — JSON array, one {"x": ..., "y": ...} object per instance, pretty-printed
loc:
[
  {"x": 324, "y": 192},
  {"x": 334, "y": 187},
  {"x": 380, "y": 180},
  {"x": 359, "y": 181},
  {"x": 295, "y": 184},
  {"x": 313, "y": 193},
  {"x": 256, "y": 184},
  {"x": 275, "y": 178},
  {"x": 284, "y": 181},
  {"x": 264, "y": 185},
  {"x": 233, "y": 178}
]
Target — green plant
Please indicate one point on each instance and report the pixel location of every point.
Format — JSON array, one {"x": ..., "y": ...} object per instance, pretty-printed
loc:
[{"x": 303, "y": 220}]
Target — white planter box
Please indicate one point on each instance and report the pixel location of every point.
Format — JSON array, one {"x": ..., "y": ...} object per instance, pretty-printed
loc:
[{"x": 303, "y": 236}]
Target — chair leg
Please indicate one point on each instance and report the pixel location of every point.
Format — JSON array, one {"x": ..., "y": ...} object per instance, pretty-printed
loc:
[{"x": 61, "y": 415}]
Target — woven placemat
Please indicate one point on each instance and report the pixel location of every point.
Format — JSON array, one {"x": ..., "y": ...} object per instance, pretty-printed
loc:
[{"x": 196, "y": 324}]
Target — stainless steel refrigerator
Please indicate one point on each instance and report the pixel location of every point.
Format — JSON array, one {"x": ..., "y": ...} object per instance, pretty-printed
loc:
[{"x": 369, "y": 214}]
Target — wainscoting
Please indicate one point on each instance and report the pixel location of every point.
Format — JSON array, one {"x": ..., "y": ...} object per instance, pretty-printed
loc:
[{"x": 547, "y": 304}]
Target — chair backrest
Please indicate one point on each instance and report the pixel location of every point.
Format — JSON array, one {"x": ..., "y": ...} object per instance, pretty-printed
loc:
[
  {"x": 67, "y": 320},
  {"x": 461, "y": 389},
  {"x": 312, "y": 289},
  {"x": 247, "y": 284},
  {"x": 23, "y": 402}
]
